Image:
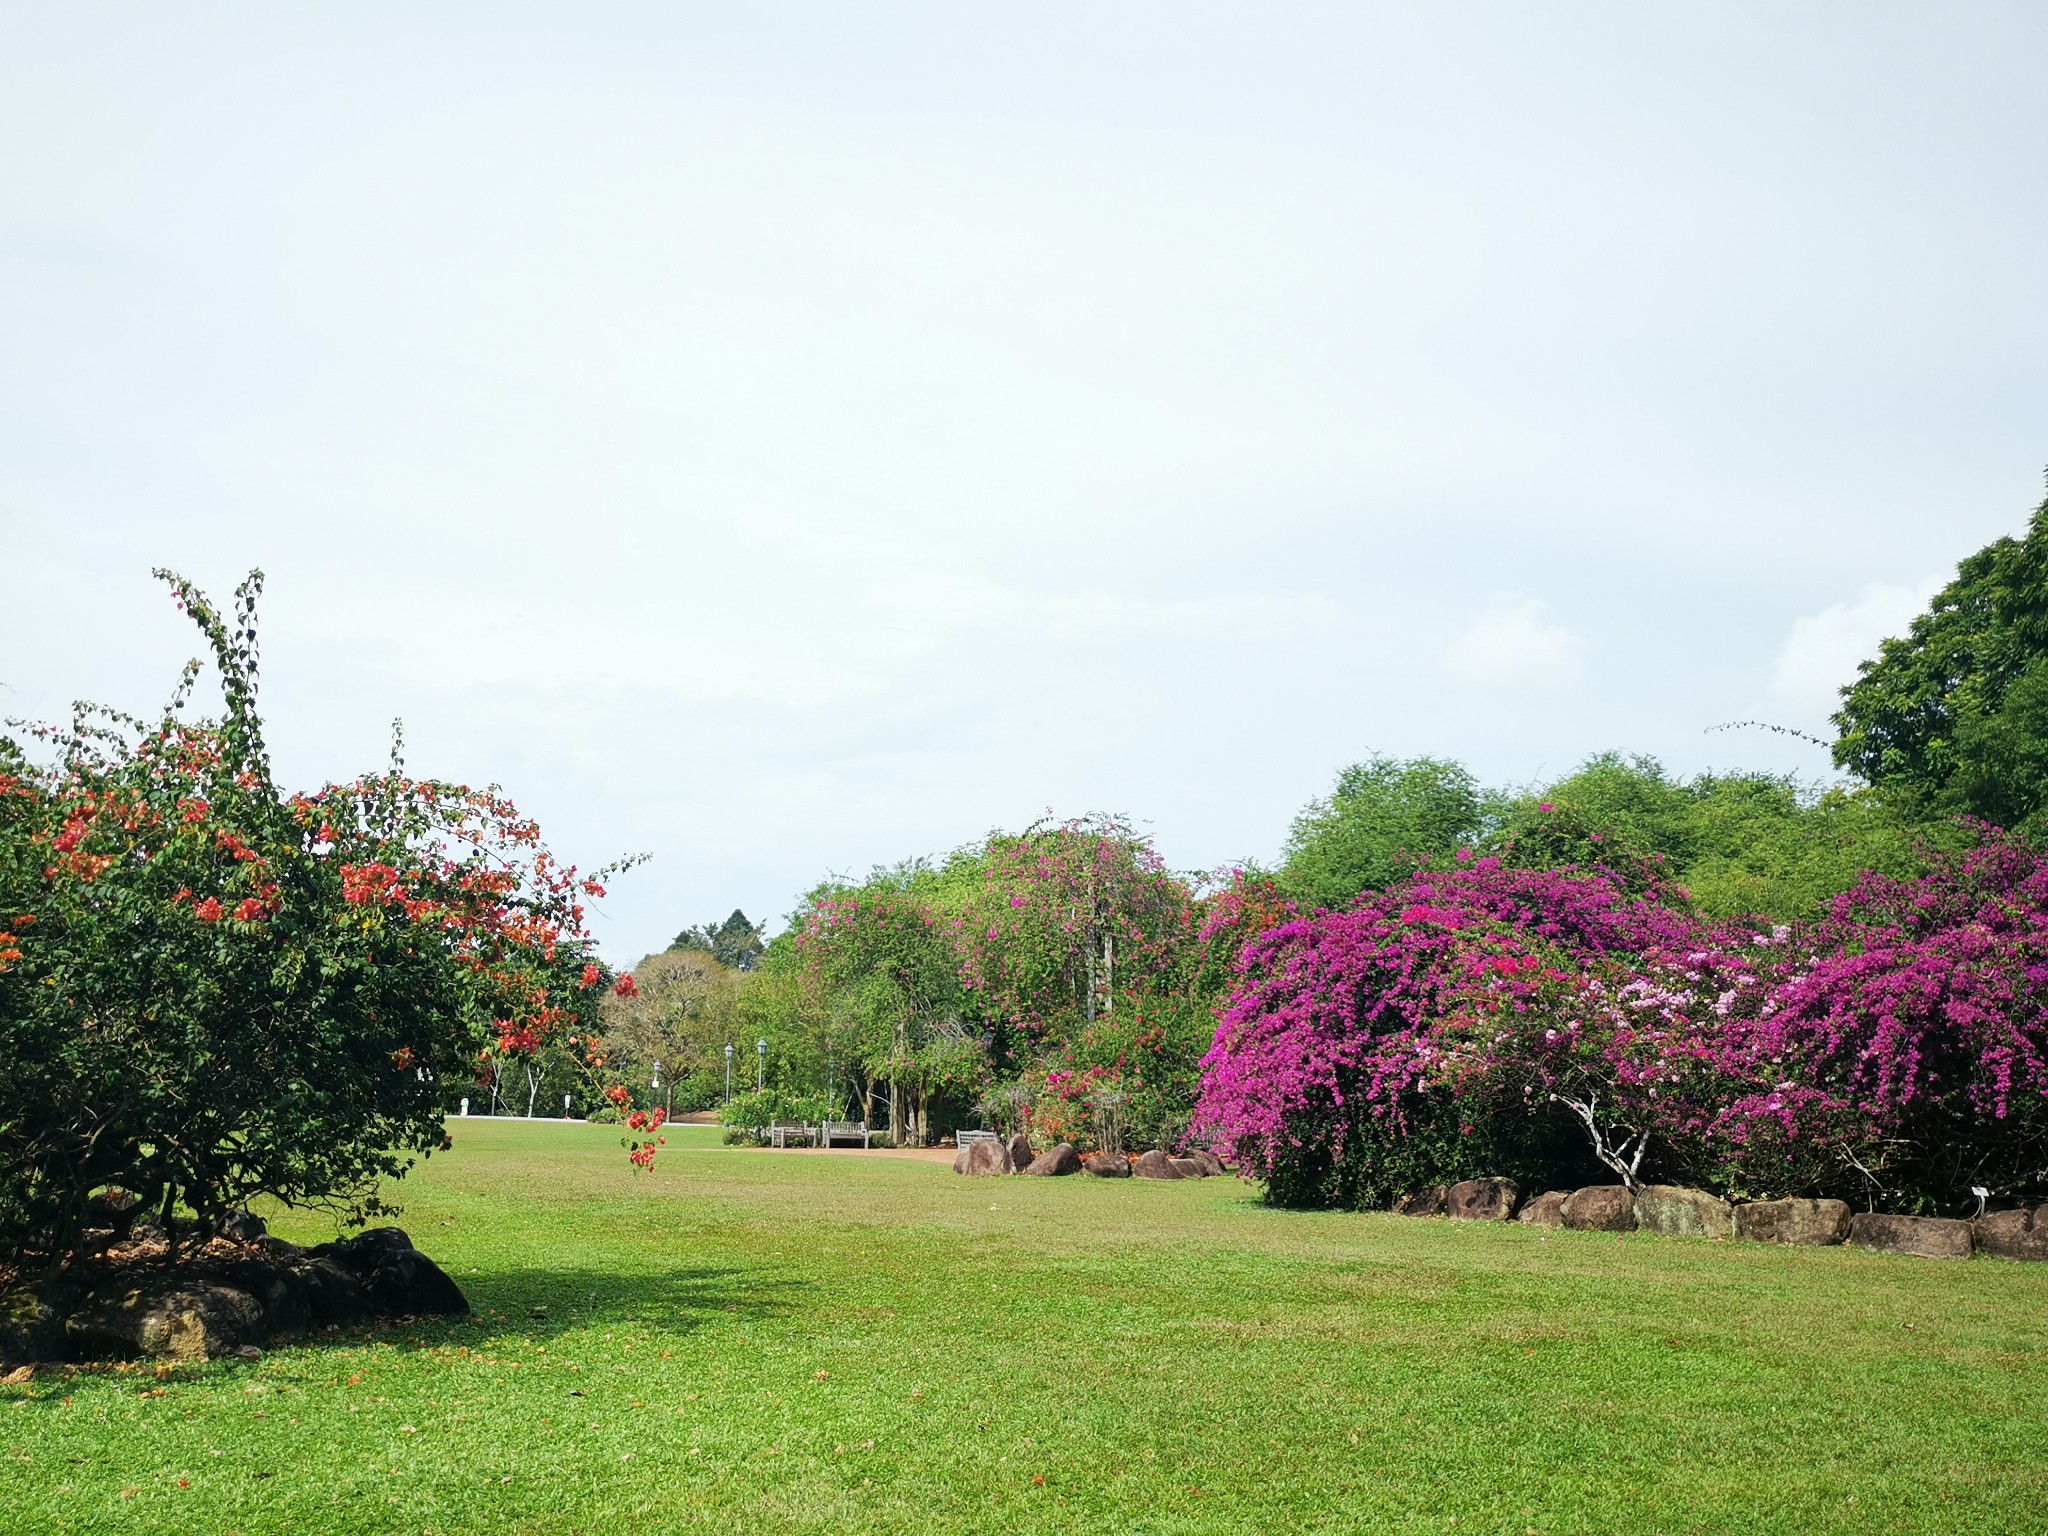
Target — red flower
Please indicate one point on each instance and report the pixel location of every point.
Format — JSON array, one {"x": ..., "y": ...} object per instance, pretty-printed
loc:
[
  {"x": 401, "y": 1059},
  {"x": 624, "y": 987},
  {"x": 591, "y": 976},
  {"x": 249, "y": 910},
  {"x": 208, "y": 911},
  {"x": 618, "y": 1095}
]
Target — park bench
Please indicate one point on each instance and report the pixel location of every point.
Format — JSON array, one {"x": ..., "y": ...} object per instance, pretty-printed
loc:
[
  {"x": 843, "y": 1130},
  {"x": 782, "y": 1132}
]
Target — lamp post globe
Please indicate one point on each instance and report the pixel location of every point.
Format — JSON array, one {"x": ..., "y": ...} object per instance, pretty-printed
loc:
[
  {"x": 728, "y": 1072},
  {"x": 761, "y": 1065}
]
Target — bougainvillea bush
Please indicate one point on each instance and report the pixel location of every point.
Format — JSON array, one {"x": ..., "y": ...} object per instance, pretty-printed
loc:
[
  {"x": 1565, "y": 1026},
  {"x": 212, "y": 989}
]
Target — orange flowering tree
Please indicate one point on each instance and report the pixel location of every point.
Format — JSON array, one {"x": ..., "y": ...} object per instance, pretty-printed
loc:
[{"x": 213, "y": 989}]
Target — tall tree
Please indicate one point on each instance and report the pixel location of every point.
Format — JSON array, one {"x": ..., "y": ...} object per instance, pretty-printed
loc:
[
  {"x": 1383, "y": 818},
  {"x": 735, "y": 943},
  {"x": 1952, "y": 717}
]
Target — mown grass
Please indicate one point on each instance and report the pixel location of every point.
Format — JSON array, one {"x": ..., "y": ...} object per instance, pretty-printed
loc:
[{"x": 788, "y": 1342}]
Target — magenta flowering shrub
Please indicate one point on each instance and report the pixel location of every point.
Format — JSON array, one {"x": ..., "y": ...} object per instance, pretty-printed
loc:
[
  {"x": 1898, "y": 1050},
  {"x": 1910, "y": 1046},
  {"x": 1499, "y": 991}
]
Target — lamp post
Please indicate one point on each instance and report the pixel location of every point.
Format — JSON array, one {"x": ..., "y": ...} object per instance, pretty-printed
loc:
[
  {"x": 728, "y": 1071},
  {"x": 657, "y": 1080},
  {"x": 761, "y": 1065}
]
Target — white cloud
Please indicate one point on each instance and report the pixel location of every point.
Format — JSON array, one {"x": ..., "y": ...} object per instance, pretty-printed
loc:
[
  {"x": 1820, "y": 655},
  {"x": 1511, "y": 644}
]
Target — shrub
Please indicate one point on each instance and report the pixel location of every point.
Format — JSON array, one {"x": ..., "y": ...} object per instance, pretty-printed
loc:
[{"x": 211, "y": 989}]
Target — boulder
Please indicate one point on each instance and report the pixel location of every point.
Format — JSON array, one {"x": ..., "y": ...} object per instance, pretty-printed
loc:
[
  {"x": 399, "y": 1280},
  {"x": 1211, "y": 1164},
  {"x": 1424, "y": 1202},
  {"x": 241, "y": 1227},
  {"x": 1155, "y": 1165},
  {"x": 2014, "y": 1234},
  {"x": 1189, "y": 1167},
  {"x": 1546, "y": 1210},
  {"x": 334, "y": 1297},
  {"x": 31, "y": 1328},
  {"x": 982, "y": 1157},
  {"x": 1600, "y": 1208},
  {"x": 1021, "y": 1155},
  {"x": 115, "y": 1209},
  {"x": 1062, "y": 1159},
  {"x": 1482, "y": 1200},
  {"x": 1679, "y": 1212},
  {"x": 165, "y": 1320},
  {"x": 1927, "y": 1237},
  {"x": 1107, "y": 1165},
  {"x": 1815, "y": 1222}
]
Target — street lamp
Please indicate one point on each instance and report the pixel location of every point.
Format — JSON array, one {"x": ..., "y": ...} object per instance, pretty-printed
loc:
[
  {"x": 657, "y": 1080},
  {"x": 728, "y": 1071},
  {"x": 761, "y": 1065}
]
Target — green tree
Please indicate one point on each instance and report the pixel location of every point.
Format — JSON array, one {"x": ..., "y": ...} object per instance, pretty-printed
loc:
[
  {"x": 735, "y": 943},
  {"x": 1739, "y": 843},
  {"x": 1952, "y": 717},
  {"x": 1383, "y": 818}
]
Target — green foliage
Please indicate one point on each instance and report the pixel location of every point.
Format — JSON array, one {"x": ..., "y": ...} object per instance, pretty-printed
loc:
[
  {"x": 1366, "y": 1165},
  {"x": 735, "y": 943},
  {"x": 1952, "y": 718},
  {"x": 755, "y": 1110},
  {"x": 1383, "y": 818},
  {"x": 1740, "y": 843}
]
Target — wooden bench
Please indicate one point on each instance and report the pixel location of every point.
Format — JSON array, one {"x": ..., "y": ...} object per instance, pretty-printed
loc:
[
  {"x": 782, "y": 1132},
  {"x": 843, "y": 1130}
]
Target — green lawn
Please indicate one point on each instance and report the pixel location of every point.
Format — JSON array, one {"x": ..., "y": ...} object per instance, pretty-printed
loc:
[{"x": 783, "y": 1342}]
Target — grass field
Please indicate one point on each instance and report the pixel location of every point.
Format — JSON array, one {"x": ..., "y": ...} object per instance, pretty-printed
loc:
[{"x": 773, "y": 1342}]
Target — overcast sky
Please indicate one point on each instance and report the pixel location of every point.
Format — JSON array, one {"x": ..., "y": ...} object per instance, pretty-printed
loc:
[{"x": 787, "y": 438}]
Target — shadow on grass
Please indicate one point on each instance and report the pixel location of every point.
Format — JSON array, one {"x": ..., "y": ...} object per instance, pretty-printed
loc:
[
  {"x": 506, "y": 1304},
  {"x": 537, "y": 1303}
]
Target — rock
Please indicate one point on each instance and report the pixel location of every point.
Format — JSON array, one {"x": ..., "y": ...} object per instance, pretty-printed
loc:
[
  {"x": 241, "y": 1227},
  {"x": 166, "y": 1320},
  {"x": 1107, "y": 1165},
  {"x": 1211, "y": 1164},
  {"x": 32, "y": 1327},
  {"x": 115, "y": 1209},
  {"x": 1927, "y": 1237},
  {"x": 1189, "y": 1168},
  {"x": 1600, "y": 1208},
  {"x": 1425, "y": 1202},
  {"x": 333, "y": 1295},
  {"x": 399, "y": 1280},
  {"x": 1155, "y": 1165},
  {"x": 1062, "y": 1159},
  {"x": 1481, "y": 1200},
  {"x": 1021, "y": 1155},
  {"x": 1679, "y": 1212},
  {"x": 2014, "y": 1234},
  {"x": 1546, "y": 1210},
  {"x": 1815, "y": 1222},
  {"x": 982, "y": 1157}
]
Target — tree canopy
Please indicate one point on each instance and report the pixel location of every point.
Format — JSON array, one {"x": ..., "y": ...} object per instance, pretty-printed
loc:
[
  {"x": 1952, "y": 717},
  {"x": 1382, "y": 819}
]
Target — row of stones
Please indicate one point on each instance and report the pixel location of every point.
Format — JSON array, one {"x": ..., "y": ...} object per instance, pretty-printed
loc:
[
  {"x": 1016, "y": 1156},
  {"x": 1679, "y": 1212}
]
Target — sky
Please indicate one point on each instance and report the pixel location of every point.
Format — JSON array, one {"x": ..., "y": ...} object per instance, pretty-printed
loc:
[{"x": 784, "y": 439}]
